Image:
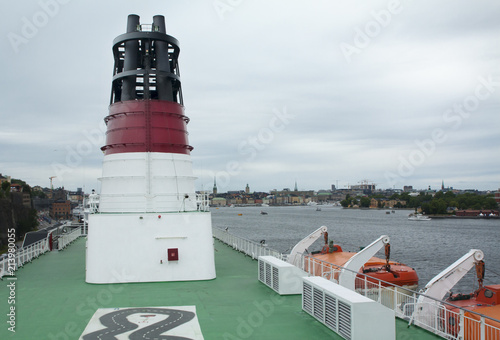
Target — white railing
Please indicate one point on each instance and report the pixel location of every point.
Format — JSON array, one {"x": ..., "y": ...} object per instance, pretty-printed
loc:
[
  {"x": 92, "y": 203},
  {"x": 203, "y": 202},
  {"x": 27, "y": 254},
  {"x": 414, "y": 307},
  {"x": 65, "y": 239},
  {"x": 440, "y": 317},
  {"x": 453, "y": 324},
  {"x": 250, "y": 248},
  {"x": 9, "y": 265}
]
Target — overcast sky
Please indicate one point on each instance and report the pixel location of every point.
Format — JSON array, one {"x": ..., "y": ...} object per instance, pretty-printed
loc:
[{"x": 314, "y": 92}]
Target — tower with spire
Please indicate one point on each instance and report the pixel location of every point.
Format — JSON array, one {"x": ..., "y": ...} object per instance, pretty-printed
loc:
[{"x": 215, "y": 188}]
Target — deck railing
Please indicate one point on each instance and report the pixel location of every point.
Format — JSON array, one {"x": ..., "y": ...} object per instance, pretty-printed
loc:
[
  {"x": 65, "y": 239},
  {"x": 31, "y": 252},
  {"x": 414, "y": 307},
  {"x": 250, "y": 248},
  {"x": 9, "y": 265},
  {"x": 92, "y": 203},
  {"x": 202, "y": 202}
]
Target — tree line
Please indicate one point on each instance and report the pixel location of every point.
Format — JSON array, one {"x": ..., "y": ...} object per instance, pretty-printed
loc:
[{"x": 437, "y": 204}]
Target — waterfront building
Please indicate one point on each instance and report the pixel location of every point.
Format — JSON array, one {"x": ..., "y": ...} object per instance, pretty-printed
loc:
[
  {"x": 218, "y": 202},
  {"x": 60, "y": 209},
  {"x": 387, "y": 203}
]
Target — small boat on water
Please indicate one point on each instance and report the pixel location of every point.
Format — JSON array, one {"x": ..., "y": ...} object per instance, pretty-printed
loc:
[
  {"x": 332, "y": 256},
  {"x": 418, "y": 217},
  {"x": 263, "y": 213}
]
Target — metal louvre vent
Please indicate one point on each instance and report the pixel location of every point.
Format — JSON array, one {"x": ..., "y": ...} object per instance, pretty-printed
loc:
[
  {"x": 318, "y": 311},
  {"x": 282, "y": 277},
  {"x": 268, "y": 274},
  {"x": 307, "y": 298},
  {"x": 261, "y": 271},
  {"x": 345, "y": 320},
  {"x": 345, "y": 312},
  {"x": 331, "y": 312},
  {"x": 276, "y": 279}
]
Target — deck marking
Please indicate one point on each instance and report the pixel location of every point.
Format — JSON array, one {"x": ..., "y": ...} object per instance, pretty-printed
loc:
[{"x": 143, "y": 323}]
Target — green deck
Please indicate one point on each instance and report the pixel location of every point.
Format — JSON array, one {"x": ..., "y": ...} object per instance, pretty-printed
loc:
[{"x": 54, "y": 302}]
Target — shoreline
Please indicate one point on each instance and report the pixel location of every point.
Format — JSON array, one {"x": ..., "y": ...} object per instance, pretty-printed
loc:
[{"x": 466, "y": 217}]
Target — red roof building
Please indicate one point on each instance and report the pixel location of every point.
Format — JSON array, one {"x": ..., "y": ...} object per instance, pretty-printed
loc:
[
  {"x": 16, "y": 188},
  {"x": 477, "y": 213}
]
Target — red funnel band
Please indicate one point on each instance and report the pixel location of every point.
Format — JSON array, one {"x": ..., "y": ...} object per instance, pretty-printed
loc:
[{"x": 146, "y": 126}]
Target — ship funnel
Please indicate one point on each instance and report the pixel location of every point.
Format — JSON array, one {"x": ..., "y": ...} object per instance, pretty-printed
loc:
[
  {"x": 146, "y": 112},
  {"x": 149, "y": 224},
  {"x": 146, "y": 64}
]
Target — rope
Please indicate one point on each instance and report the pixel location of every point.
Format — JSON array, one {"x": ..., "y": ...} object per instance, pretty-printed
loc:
[{"x": 492, "y": 271}]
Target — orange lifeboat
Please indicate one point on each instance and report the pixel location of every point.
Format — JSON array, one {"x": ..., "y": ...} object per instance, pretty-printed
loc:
[
  {"x": 485, "y": 301},
  {"x": 326, "y": 262},
  {"x": 477, "y": 312}
]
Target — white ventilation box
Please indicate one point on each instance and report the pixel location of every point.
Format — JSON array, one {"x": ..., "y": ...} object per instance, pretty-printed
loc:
[
  {"x": 281, "y": 276},
  {"x": 347, "y": 313}
]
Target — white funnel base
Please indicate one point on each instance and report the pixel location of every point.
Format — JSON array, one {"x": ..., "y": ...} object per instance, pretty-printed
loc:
[{"x": 134, "y": 247}]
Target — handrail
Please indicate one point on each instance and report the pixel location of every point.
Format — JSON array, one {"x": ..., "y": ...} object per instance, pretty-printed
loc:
[
  {"x": 23, "y": 255},
  {"x": 66, "y": 239},
  {"x": 203, "y": 202},
  {"x": 465, "y": 324},
  {"x": 34, "y": 250},
  {"x": 92, "y": 203},
  {"x": 368, "y": 278},
  {"x": 250, "y": 248}
]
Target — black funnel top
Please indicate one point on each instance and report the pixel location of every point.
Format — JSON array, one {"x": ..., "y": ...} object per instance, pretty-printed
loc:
[{"x": 146, "y": 63}]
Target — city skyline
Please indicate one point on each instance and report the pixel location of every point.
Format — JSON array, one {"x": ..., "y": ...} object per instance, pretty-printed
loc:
[
  {"x": 315, "y": 92},
  {"x": 292, "y": 188}
]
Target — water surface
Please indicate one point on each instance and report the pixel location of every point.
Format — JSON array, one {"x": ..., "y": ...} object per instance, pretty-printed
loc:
[{"x": 429, "y": 247}]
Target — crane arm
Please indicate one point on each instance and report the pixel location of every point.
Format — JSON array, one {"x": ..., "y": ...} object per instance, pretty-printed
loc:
[
  {"x": 443, "y": 282},
  {"x": 347, "y": 276},
  {"x": 440, "y": 285},
  {"x": 305, "y": 243}
]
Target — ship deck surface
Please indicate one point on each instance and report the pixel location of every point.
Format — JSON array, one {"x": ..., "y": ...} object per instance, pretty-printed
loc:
[{"x": 54, "y": 302}]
